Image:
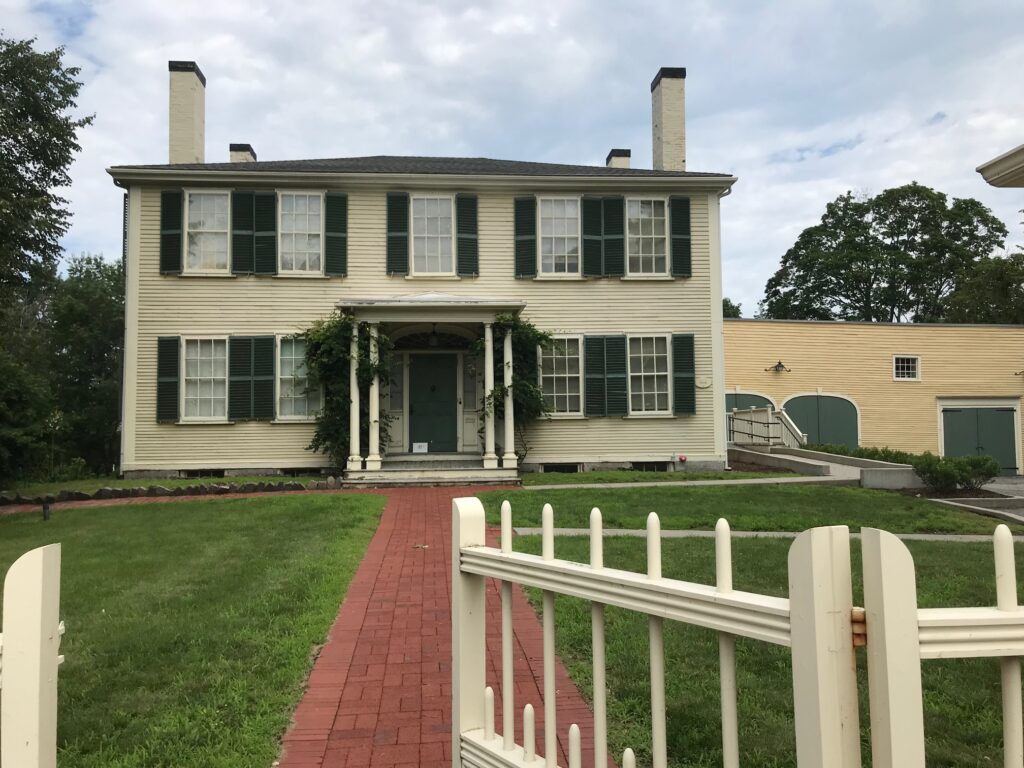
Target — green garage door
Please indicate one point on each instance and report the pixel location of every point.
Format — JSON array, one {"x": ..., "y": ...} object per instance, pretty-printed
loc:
[
  {"x": 981, "y": 432},
  {"x": 825, "y": 419},
  {"x": 743, "y": 400}
]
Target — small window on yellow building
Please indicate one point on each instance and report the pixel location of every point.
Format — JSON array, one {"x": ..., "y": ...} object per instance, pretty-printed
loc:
[{"x": 906, "y": 368}]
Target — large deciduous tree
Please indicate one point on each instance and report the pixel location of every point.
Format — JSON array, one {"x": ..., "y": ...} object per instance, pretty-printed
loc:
[
  {"x": 894, "y": 257},
  {"x": 993, "y": 293}
]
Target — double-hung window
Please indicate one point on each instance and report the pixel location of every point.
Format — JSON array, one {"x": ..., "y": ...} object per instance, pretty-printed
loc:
[
  {"x": 906, "y": 367},
  {"x": 646, "y": 240},
  {"x": 295, "y": 398},
  {"x": 208, "y": 223},
  {"x": 301, "y": 237},
  {"x": 432, "y": 252},
  {"x": 561, "y": 372},
  {"x": 206, "y": 380},
  {"x": 559, "y": 236},
  {"x": 649, "y": 375}
]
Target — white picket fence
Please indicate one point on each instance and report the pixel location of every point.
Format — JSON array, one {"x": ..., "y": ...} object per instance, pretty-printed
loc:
[
  {"x": 29, "y": 657},
  {"x": 818, "y": 622}
]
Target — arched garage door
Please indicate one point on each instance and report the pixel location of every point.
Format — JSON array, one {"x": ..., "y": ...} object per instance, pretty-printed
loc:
[
  {"x": 825, "y": 419},
  {"x": 743, "y": 400}
]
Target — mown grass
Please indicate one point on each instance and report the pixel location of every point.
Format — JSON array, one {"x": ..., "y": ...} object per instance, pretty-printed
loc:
[
  {"x": 636, "y": 476},
  {"x": 89, "y": 485},
  {"x": 962, "y": 697},
  {"x": 190, "y": 625},
  {"x": 772, "y": 507}
]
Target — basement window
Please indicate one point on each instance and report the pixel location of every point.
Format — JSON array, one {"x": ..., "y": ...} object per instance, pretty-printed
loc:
[{"x": 906, "y": 368}]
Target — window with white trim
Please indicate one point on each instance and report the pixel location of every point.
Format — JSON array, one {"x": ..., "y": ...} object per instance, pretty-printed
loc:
[
  {"x": 206, "y": 379},
  {"x": 648, "y": 374},
  {"x": 561, "y": 372},
  {"x": 295, "y": 398},
  {"x": 559, "y": 236},
  {"x": 646, "y": 238},
  {"x": 432, "y": 252},
  {"x": 208, "y": 224},
  {"x": 301, "y": 235},
  {"x": 906, "y": 367}
]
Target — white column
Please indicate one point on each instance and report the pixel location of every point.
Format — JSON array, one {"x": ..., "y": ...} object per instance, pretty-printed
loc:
[
  {"x": 508, "y": 461},
  {"x": 373, "y": 459},
  {"x": 490, "y": 458},
  {"x": 355, "y": 460}
]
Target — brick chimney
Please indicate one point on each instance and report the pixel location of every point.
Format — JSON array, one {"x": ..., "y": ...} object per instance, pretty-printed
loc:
[
  {"x": 668, "y": 119},
  {"x": 617, "y": 158},
  {"x": 241, "y": 153},
  {"x": 187, "y": 114}
]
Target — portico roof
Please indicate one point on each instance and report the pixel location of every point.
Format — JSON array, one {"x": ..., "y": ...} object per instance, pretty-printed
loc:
[
  {"x": 1007, "y": 170},
  {"x": 432, "y": 305}
]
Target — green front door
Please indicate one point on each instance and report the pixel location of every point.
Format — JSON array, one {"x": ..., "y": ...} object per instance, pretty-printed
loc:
[
  {"x": 981, "y": 432},
  {"x": 433, "y": 409}
]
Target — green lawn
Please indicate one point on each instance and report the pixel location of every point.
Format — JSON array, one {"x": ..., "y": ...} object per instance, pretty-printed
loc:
[
  {"x": 962, "y": 697},
  {"x": 190, "y": 625},
  {"x": 95, "y": 483},
  {"x": 635, "y": 476},
  {"x": 786, "y": 507}
]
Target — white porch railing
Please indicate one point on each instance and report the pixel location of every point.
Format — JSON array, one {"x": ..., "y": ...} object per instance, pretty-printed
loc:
[
  {"x": 764, "y": 426},
  {"x": 815, "y": 622},
  {"x": 29, "y": 659}
]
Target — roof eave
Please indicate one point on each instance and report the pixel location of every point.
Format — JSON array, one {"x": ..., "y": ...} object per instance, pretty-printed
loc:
[
  {"x": 1007, "y": 170},
  {"x": 417, "y": 180}
]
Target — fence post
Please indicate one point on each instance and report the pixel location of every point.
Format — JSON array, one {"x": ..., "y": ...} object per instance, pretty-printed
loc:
[
  {"x": 28, "y": 666},
  {"x": 824, "y": 663},
  {"x": 469, "y": 640},
  {"x": 894, "y": 652}
]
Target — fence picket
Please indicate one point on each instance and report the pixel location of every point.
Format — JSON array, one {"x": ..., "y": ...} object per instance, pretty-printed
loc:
[
  {"x": 597, "y": 639},
  {"x": 656, "y": 630},
  {"x": 550, "y": 732},
  {"x": 575, "y": 759},
  {"x": 488, "y": 713},
  {"x": 507, "y": 691},
  {"x": 1006, "y": 600},
  {"x": 628, "y": 758},
  {"x": 727, "y": 651},
  {"x": 529, "y": 735}
]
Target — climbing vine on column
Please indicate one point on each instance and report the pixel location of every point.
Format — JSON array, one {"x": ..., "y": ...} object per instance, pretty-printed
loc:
[{"x": 328, "y": 352}]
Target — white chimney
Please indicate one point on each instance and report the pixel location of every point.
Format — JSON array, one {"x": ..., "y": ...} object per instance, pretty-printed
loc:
[
  {"x": 241, "y": 153},
  {"x": 187, "y": 117},
  {"x": 668, "y": 119},
  {"x": 617, "y": 158}
]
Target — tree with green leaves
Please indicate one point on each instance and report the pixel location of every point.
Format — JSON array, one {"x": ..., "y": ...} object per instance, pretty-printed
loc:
[
  {"x": 992, "y": 293},
  {"x": 894, "y": 257},
  {"x": 731, "y": 308}
]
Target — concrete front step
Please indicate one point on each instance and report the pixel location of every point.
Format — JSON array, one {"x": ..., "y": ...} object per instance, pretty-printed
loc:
[{"x": 432, "y": 476}]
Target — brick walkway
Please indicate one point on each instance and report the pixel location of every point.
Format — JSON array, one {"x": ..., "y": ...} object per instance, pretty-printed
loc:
[{"x": 380, "y": 690}]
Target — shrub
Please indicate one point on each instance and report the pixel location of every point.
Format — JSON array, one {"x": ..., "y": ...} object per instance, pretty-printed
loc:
[
  {"x": 940, "y": 473},
  {"x": 976, "y": 471}
]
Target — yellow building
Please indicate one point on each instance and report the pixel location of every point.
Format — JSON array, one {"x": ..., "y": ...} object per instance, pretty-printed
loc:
[{"x": 948, "y": 389}]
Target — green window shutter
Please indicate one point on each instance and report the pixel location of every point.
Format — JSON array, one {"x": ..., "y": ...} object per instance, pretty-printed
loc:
[
  {"x": 398, "y": 233},
  {"x": 467, "y": 246},
  {"x": 168, "y": 366},
  {"x": 172, "y": 204},
  {"x": 335, "y": 234},
  {"x": 526, "y": 236},
  {"x": 679, "y": 229},
  {"x": 264, "y": 233},
  {"x": 684, "y": 391},
  {"x": 613, "y": 210},
  {"x": 593, "y": 237},
  {"x": 240, "y": 378},
  {"x": 263, "y": 368},
  {"x": 242, "y": 238},
  {"x": 595, "y": 401},
  {"x": 615, "y": 374}
]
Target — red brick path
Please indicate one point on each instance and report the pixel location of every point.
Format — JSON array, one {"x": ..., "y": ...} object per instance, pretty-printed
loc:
[{"x": 380, "y": 690}]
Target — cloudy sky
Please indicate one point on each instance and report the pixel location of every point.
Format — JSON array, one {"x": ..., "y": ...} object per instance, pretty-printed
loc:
[{"x": 801, "y": 99}]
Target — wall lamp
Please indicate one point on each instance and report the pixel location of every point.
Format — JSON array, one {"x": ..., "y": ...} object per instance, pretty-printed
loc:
[{"x": 779, "y": 367}]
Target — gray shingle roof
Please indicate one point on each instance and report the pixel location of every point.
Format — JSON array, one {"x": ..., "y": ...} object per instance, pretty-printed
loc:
[{"x": 390, "y": 164}]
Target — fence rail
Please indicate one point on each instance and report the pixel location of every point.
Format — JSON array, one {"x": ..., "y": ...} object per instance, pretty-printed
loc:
[
  {"x": 764, "y": 426},
  {"x": 29, "y": 657}
]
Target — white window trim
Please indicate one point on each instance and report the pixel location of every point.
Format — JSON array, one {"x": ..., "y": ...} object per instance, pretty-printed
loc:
[
  {"x": 906, "y": 378},
  {"x": 278, "y": 418},
  {"x": 578, "y": 274},
  {"x": 668, "y": 248},
  {"x": 629, "y": 376},
  {"x": 323, "y": 233},
  {"x": 540, "y": 378},
  {"x": 182, "y": 367},
  {"x": 184, "y": 237},
  {"x": 454, "y": 236}
]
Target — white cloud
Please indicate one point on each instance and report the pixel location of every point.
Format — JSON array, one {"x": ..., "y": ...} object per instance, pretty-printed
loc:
[{"x": 802, "y": 99}]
